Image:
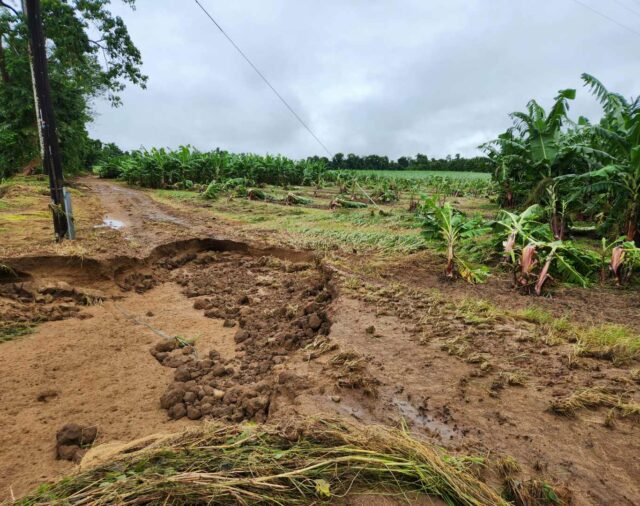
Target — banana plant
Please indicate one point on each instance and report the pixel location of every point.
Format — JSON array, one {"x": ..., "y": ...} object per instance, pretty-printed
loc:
[
  {"x": 526, "y": 238},
  {"x": 452, "y": 228},
  {"x": 568, "y": 260},
  {"x": 537, "y": 148},
  {"x": 617, "y": 134},
  {"x": 557, "y": 210},
  {"x": 619, "y": 257}
]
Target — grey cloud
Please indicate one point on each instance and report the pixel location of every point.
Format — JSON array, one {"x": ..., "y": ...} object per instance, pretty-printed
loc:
[{"x": 369, "y": 76}]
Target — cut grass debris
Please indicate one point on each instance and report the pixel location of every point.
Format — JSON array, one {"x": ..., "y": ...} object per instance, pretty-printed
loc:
[
  {"x": 610, "y": 342},
  {"x": 11, "y": 332},
  {"x": 593, "y": 398},
  {"x": 514, "y": 379},
  {"x": 302, "y": 463},
  {"x": 350, "y": 371},
  {"x": 529, "y": 492},
  {"x": 473, "y": 311},
  {"x": 508, "y": 467}
]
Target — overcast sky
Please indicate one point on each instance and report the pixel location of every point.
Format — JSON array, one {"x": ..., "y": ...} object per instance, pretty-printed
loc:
[{"x": 389, "y": 77}]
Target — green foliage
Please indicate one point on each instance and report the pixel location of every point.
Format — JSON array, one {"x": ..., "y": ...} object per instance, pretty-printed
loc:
[
  {"x": 296, "y": 200},
  {"x": 76, "y": 73},
  {"x": 616, "y": 184},
  {"x": 593, "y": 171},
  {"x": 213, "y": 191},
  {"x": 420, "y": 162},
  {"x": 524, "y": 239},
  {"x": 161, "y": 168},
  {"x": 390, "y": 183},
  {"x": 455, "y": 230},
  {"x": 347, "y": 204},
  {"x": 11, "y": 332}
]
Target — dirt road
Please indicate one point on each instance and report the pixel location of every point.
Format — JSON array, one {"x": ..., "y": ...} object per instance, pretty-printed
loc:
[
  {"x": 279, "y": 335},
  {"x": 141, "y": 221}
]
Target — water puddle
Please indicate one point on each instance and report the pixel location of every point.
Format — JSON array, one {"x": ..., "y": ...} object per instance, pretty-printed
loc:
[
  {"x": 423, "y": 421},
  {"x": 111, "y": 223}
]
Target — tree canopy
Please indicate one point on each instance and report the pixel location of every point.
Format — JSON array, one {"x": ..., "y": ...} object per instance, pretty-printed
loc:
[{"x": 90, "y": 54}]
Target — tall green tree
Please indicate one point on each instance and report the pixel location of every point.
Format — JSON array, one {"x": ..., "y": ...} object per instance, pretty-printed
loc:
[{"x": 90, "y": 54}]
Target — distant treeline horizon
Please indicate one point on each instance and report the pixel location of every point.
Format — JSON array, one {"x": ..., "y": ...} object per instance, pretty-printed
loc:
[
  {"x": 351, "y": 161},
  {"x": 454, "y": 163}
]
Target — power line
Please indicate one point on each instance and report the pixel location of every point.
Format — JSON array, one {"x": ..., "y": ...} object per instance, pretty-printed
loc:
[
  {"x": 637, "y": 13},
  {"x": 586, "y": 6},
  {"x": 264, "y": 79}
]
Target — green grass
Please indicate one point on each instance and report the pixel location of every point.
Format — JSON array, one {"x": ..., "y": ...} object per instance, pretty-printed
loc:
[
  {"x": 610, "y": 342},
  {"x": 423, "y": 174},
  {"x": 180, "y": 195},
  {"x": 12, "y": 332}
]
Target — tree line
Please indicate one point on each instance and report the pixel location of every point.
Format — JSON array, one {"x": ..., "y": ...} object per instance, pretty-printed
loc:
[{"x": 455, "y": 163}]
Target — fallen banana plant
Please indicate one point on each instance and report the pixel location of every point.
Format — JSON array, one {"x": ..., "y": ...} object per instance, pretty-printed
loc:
[
  {"x": 296, "y": 200},
  {"x": 346, "y": 204},
  {"x": 300, "y": 463}
]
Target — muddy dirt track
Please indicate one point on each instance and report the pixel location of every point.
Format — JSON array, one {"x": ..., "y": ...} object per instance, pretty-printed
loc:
[{"x": 276, "y": 333}]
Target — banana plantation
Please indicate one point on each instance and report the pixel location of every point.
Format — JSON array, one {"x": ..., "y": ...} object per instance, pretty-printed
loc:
[
  {"x": 209, "y": 298},
  {"x": 578, "y": 182},
  {"x": 565, "y": 193}
]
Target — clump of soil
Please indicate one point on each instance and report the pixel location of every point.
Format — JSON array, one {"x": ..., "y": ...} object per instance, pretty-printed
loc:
[
  {"x": 276, "y": 307},
  {"x": 29, "y": 303},
  {"x": 72, "y": 440}
]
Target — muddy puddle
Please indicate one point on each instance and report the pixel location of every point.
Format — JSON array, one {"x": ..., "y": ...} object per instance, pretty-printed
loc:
[
  {"x": 111, "y": 223},
  {"x": 416, "y": 418}
]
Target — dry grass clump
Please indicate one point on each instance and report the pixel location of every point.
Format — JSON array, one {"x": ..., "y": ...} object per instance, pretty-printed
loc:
[
  {"x": 530, "y": 492},
  {"x": 534, "y": 492},
  {"x": 320, "y": 346},
  {"x": 350, "y": 371},
  {"x": 508, "y": 467},
  {"x": 609, "y": 342},
  {"x": 304, "y": 463},
  {"x": 514, "y": 379},
  {"x": 593, "y": 398}
]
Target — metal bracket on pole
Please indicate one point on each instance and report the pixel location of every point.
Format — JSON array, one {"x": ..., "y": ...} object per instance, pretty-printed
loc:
[{"x": 71, "y": 228}]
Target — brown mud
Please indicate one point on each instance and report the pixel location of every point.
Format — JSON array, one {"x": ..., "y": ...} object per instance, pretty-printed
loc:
[
  {"x": 266, "y": 333},
  {"x": 88, "y": 361}
]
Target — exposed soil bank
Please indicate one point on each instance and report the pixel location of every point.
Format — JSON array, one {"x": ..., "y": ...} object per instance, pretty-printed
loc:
[
  {"x": 277, "y": 333},
  {"x": 88, "y": 360}
]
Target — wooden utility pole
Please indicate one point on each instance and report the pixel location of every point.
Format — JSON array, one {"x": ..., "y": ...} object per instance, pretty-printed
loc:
[{"x": 50, "y": 147}]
